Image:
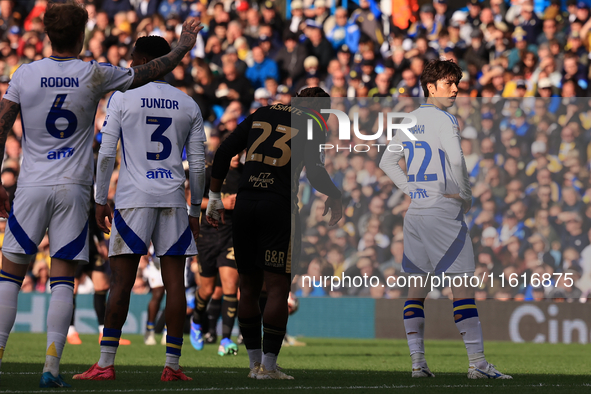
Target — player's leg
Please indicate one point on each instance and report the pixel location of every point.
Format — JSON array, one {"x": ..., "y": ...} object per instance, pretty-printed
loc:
[
  {"x": 130, "y": 235},
  {"x": 214, "y": 311},
  {"x": 59, "y": 312},
  {"x": 199, "y": 320},
  {"x": 123, "y": 273},
  {"x": 153, "y": 308},
  {"x": 274, "y": 318},
  {"x": 173, "y": 243},
  {"x": 100, "y": 281},
  {"x": 11, "y": 279},
  {"x": 263, "y": 299},
  {"x": 228, "y": 274},
  {"x": 279, "y": 245},
  {"x": 25, "y": 228},
  {"x": 73, "y": 338},
  {"x": 249, "y": 317},
  {"x": 468, "y": 324},
  {"x": 414, "y": 326},
  {"x": 154, "y": 275},
  {"x": 173, "y": 269},
  {"x": 229, "y": 278},
  {"x": 452, "y": 249},
  {"x": 208, "y": 251},
  {"x": 416, "y": 263}
]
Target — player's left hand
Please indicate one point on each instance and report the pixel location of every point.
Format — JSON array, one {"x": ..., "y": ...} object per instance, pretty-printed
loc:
[
  {"x": 336, "y": 210},
  {"x": 195, "y": 227},
  {"x": 191, "y": 27},
  {"x": 466, "y": 205},
  {"x": 4, "y": 203},
  {"x": 104, "y": 217},
  {"x": 215, "y": 212}
]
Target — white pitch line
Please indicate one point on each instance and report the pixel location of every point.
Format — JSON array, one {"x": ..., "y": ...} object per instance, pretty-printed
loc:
[
  {"x": 118, "y": 371},
  {"x": 413, "y": 386}
]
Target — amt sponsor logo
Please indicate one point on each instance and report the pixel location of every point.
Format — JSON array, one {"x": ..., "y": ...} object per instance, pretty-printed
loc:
[
  {"x": 60, "y": 153},
  {"x": 418, "y": 193},
  {"x": 159, "y": 173}
]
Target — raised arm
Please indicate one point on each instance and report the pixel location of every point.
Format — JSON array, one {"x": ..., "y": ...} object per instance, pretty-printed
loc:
[
  {"x": 161, "y": 66},
  {"x": 8, "y": 113}
]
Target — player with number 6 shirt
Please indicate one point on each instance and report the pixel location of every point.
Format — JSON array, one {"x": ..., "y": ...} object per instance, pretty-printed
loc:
[{"x": 57, "y": 98}]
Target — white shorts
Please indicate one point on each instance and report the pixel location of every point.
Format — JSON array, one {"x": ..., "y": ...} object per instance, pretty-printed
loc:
[
  {"x": 61, "y": 211},
  {"x": 435, "y": 245},
  {"x": 153, "y": 275},
  {"x": 167, "y": 228}
]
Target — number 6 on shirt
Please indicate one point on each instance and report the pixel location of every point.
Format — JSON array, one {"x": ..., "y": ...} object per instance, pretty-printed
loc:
[{"x": 56, "y": 112}]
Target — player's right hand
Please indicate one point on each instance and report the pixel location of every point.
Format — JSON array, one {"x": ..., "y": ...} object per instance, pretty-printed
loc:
[
  {"x": 215, "y": 212},
  {"x": 104, "y": 217},
  {"x": 336, "y": 210},
  {"x": 4, "y": 203},
  {"x": 188, "y": 38},
  {"x": 466, "y": 204}
]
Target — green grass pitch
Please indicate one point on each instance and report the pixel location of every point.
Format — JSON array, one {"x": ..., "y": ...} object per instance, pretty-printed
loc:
[{"x": 324, "y": 365}]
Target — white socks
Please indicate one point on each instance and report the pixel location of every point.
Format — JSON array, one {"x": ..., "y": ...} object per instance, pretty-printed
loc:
[
  {"x": 107, "y": 356},
  {"x": 8, "y": 306},
  {"x": 59, "y": 315},
  {"x": 416, "y": 344},
  {"x": 255, "y": 356},
  {"x": 172, "y": 361},
  {"x": 269, "y": 361},
  {"x": 471, "y": 332}
]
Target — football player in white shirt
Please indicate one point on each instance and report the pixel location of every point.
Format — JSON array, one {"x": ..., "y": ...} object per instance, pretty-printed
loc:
[
  {"x": 57, "y": 99},
  {"x": 154, "y": 123},
  {"x": 436, "y": 238}
]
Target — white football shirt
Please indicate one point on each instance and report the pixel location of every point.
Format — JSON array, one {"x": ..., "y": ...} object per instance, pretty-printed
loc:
[
  {"x": 154, "y": 123},
  {"x": 434, "y": 164},
  {"x": 58, "y": 99}
]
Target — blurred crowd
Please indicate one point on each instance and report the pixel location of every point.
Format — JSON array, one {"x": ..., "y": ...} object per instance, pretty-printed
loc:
[{"x": 525, "y": 135}]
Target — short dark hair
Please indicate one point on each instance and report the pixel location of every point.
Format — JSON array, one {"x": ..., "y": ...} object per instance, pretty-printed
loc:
[
  {"x": 437, "y": 70},
  {"x": 152, "y": 46},
  {"x": 313, "y": 92},
  {"x": 64, "y": 23},
  {"x": 312, "y": 98}
]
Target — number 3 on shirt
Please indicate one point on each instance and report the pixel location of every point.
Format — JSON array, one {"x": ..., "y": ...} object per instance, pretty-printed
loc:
[
  {"x": 421, "y": 176},
  {"x": 157, "y": 136},
  {"x": 56, "y": 112}
]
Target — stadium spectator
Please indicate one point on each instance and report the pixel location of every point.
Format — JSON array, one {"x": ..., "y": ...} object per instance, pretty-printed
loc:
[
  {"x": 262, "y": 68},
  {"x": 551, "y": 63}
]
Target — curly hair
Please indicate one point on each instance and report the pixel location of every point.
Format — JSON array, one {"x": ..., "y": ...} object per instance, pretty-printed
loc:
[
  {"x": 64, "y": 23},
  {"x": 436, "y": 70}
]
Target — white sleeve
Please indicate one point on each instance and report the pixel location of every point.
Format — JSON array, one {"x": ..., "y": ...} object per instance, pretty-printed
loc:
[
  {"x": 450, "y": 141},
  {"x": 389, "y": 164},
  {"x": 115, "y": 78},
  {"x": 13, "y": 91},
  {"x": 196, "y": 156},
  {"x": 106, "y": 158}
]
